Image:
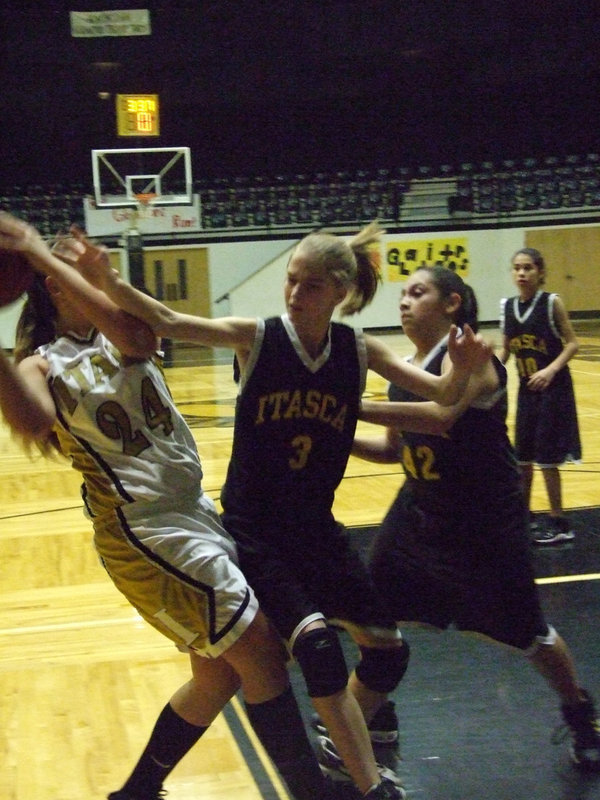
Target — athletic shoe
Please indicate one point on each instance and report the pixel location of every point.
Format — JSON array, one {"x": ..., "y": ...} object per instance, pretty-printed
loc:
[
  {"x": 584, "y": 726},
  {"x": 383, "y": 728},
  {"x": 386, "y": 791},
  {"x": 534, "y": 522},
  {"x": 333, "y": 767},
  {"x": 122, "y": 795},
  {"x": 558, "y": 530}
]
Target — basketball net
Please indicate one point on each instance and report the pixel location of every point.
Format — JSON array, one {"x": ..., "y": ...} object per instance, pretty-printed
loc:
[{"x": 144, "y": 200}]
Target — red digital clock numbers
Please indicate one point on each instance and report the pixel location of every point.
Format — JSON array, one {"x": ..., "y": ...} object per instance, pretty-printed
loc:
[{"x": 137, "y": 115}]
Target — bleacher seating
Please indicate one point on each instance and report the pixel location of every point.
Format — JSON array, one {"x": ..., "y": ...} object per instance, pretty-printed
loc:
[{"x": 425, "y": 195}]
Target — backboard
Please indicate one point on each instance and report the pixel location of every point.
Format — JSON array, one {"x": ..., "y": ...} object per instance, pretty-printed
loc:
[{"x": 162, "y": 174}]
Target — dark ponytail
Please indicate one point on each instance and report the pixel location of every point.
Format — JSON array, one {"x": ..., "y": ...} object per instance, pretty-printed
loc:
[
  {"x": 37, "y": 326},
  {"x": 37, "y": 323},
  {"x": 447, "y": 283}
]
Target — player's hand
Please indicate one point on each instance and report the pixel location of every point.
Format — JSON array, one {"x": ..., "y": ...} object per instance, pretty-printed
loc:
[
  {"x": 68, "y": 249},
  {"x": 468, "y": 351},
  {"x": 540, "y": 380},
  {"x": 19, "y": 236},
  {"x": 90, "y": 259}
]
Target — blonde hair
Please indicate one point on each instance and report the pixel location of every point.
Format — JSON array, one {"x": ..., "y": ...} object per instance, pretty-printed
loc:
[{"x": 354, "y": 263}]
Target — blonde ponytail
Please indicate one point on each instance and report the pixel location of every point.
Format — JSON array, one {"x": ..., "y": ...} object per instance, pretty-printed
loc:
[
  {"x": 354, "y": 263},
  {"x": 366, "y": 248}
]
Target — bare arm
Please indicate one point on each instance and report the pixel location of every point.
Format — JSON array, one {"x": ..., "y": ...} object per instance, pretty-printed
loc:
[
  {"x": 426, "y": 417},
  {"x": 25, "y": 399},
  {"x": 466, "y": 353},
  {"x": 564, "y": 325},
  {"x": 382, "y": 449},
  {"x": 504, "y": 353},
  {"x": 130, "y": 335},
  {"x": 234, "y": 332},
  {"x": 423, "y": 417}
]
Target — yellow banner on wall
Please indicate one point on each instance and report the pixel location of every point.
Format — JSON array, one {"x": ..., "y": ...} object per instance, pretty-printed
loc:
[{"x": 403, "y": 258}]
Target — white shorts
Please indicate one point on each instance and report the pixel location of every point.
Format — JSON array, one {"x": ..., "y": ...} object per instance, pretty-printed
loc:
[{"x": 177, "y": 566}]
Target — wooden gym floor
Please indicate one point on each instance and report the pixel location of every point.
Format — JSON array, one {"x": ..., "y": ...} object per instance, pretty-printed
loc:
[{"x": 82, "y": 678}]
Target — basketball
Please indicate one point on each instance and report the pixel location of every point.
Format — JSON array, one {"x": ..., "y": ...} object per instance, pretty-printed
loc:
[{"x": 16, "y": 276}]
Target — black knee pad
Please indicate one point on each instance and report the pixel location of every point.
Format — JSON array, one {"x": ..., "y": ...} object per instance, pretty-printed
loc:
[
  {"x": 321, "y": 659},
  {"x": 382, "y": 668}
]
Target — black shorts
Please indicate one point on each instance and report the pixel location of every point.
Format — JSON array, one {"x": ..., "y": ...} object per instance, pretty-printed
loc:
[
  {"x": 471, "y": 569},
  {"x": 296, "y": 573},
  {"x": 546, "y": 428}
]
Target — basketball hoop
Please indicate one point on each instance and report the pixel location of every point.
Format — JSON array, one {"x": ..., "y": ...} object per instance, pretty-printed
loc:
[
  {"x": 145, "y": 198},
  {"x": 143, "y": 201}
]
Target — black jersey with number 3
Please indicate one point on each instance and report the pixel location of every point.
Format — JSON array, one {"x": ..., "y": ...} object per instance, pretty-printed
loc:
[{"x": 295, "y": 422}]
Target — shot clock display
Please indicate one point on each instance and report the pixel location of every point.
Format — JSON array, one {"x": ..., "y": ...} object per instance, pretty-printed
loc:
[{"x": 137, "y": 115}]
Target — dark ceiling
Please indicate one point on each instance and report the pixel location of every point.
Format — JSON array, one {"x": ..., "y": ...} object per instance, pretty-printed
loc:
[{"x": 291, "y": 86}]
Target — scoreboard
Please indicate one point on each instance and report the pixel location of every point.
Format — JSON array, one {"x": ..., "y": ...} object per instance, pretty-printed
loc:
[{"x": 137, "y": 115}]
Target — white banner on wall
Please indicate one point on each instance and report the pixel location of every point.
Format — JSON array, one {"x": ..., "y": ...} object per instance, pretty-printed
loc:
[
  {"x": 151, "y": 219},
  {"x": 125, "y": 22}
]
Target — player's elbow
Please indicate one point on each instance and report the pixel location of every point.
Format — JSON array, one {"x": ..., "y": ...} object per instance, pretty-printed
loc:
[
  {"x": 136, "y": 338},
  {"x": 440, "y": 423},
  {"x": 143, "y": 344},
  {"x": 170, "y": 324},
  {"x": 434, "y": 427}
]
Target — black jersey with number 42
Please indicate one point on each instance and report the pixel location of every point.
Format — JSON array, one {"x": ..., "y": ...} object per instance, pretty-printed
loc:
[{"x": 473, "y": 463}]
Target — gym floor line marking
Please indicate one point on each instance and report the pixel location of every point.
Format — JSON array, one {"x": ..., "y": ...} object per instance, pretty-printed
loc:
[
  {"x": 266, "y": 778},
  {"x": 592, "y": 576},
  {"x": 68, "y": 626}
]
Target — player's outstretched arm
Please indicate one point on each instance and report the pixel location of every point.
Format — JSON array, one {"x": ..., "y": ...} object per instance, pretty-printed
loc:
[
  {"x": 446, "y": 389},
  {"x": 382, "y": 448},
  {"x": 431, "y": 417},
  {"x": 129, "y": 334},
  {"x": 234, "y": 332}
]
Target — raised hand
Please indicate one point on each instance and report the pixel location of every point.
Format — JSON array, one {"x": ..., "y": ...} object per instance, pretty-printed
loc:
[
  {"x": 18, "y": 236},
  {"x": 90, "y": 259},
  {"x": 468, "y": 351}
]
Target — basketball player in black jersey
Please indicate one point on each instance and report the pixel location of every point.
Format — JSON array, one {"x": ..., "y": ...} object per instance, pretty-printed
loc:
[
  {"x": 453, "y": 548},
  {"x": 538, "y": 332},
  {"x": 301, "y": 379}
]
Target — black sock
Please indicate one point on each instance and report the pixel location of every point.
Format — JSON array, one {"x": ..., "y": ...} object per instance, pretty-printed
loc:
[
  {"x": 279, "y": 726},
  {"x": 171, "y": 738}
]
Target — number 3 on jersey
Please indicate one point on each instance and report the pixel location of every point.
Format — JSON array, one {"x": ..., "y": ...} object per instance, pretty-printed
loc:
[
  {"x": 302, "y": 446},
  {"x": 419, "y": 463}
]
